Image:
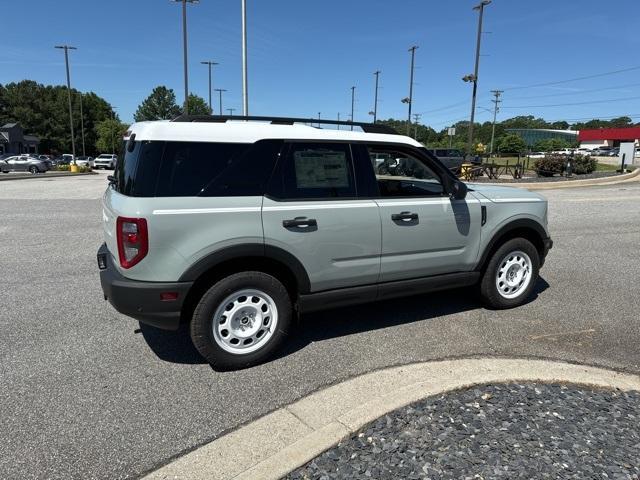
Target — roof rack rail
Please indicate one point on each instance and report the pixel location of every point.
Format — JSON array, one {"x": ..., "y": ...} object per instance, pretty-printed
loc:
[{"x": 366, "y": 127}]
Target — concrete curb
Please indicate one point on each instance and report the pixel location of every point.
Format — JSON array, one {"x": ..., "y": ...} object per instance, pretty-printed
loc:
[
  {"x": 274, "y": 445},
  {"x": 43, "y": 175},
  {"x": 573, "y": 183}
]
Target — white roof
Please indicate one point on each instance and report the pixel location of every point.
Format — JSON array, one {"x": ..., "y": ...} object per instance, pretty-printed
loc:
[{"x": 252, "y": 131}]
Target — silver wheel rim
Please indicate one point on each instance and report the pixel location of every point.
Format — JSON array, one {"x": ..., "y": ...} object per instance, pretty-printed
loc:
[
  {"x": 245, "y": 321},
  {"x": 514, "y": 274}
]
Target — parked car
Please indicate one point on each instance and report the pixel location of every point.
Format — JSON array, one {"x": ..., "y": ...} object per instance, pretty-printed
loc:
[
  {"x": 64, "y": 159},
  {"x": 537, "y": 155},
  {"x": 106, "y": 161},
  {"x": 44, "y": 158},
  {"x": 584, "y": 151},
  {"x": 83, "y": 161},
  {"x": 601, "y": 151},
  {"x": 564, "y": 151},
  {"x": 23, "y": 163},
  {"x": 614, "y": 152},
  {"x": 236, "y": 227}
]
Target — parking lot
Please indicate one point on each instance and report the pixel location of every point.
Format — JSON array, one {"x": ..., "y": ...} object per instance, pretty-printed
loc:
[{"x": 89, "y": 393}]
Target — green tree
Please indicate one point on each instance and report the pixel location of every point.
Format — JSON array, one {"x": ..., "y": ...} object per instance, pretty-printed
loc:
[
  {"x": 110, "y": 133},
  {"x": 550, "y": 144},
  {"x": 43, "y": 110},
  {"x": 511, "y": 143},
  {"x": 160, "y": 105},
  {"x": 198, "y": 105}
]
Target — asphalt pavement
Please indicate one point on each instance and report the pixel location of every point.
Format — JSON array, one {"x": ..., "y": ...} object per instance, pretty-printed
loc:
[{"x": 89, "y": 393}]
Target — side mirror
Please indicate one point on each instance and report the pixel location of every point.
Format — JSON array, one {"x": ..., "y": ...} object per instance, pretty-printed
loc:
[
  {"x": 458, "y": 190},
  {"x": 111, "y": 179}
]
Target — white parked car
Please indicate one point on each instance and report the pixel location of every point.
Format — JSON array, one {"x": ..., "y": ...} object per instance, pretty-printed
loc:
[
  {"x": 537, "y": 155},
  {"x": 83, "y": 161},
  {"x": 106, "y": 161}
]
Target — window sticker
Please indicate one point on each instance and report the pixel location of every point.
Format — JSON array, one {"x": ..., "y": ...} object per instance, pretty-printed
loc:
[{"x": 321, "y": 169}]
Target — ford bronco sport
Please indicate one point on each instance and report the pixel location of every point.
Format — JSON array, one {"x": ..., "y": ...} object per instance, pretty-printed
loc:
[{"x": 236, "y": 226}]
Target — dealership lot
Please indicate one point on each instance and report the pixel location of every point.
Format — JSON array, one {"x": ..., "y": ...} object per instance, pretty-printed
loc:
[{"x": 90, "y": 393}]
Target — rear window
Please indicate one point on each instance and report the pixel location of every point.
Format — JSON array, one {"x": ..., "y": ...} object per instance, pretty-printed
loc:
[{"x": 186, "y": 169}]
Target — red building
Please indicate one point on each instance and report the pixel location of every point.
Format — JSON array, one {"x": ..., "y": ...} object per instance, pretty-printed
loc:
[{"x": 611, "y": 137}]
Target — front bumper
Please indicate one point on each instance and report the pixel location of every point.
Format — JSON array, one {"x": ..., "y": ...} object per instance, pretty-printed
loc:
[
  {"x": 141, "y": 300},
  {"x": 547, "y": 245}
]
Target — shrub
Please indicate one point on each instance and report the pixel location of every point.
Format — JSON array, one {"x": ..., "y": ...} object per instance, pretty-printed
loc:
[
  {"x": 550, "y": 165},
  {"x": 66, "y": 168},
  {"x": 583, "y": 164}
]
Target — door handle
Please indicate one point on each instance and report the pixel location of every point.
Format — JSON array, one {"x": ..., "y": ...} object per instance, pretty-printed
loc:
[
  {"x": 404, "y": 216},
  {"x": 300, "y": 222}
]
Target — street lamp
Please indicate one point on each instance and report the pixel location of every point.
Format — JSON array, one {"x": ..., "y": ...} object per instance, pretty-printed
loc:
[
  {"x": 375, "y": 98},
  {"x": 184, "y": 48},
  {"x": 474, "y": 77},
  {"x": 353, "y": 99},
  {"x": 245, "y": 84},
  {"x": 66, "y": 49},
  {"x": 220, "y": 90},
  {"x": 409, "y": 99},
  {"x": 210, "y": 64}
]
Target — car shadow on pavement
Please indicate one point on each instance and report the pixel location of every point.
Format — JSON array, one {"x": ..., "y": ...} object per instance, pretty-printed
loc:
[{"x": 176, "y": 346}]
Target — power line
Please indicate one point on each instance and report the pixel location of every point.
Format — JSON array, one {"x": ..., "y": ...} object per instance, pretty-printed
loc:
[
  {"x": 575, "y": 103},
  {"x": 587, "y": 77},
  {"x": 579, "y": 92}
]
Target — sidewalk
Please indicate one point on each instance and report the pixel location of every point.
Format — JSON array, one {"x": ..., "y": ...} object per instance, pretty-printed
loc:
[{"x": 495, "y": 431}]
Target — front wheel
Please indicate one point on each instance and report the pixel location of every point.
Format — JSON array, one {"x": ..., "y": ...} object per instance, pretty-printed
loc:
[
  {"x": 511, "y": 274},
  {"x": 33, "y": 170},
  {"x": 241, "y": 320}
]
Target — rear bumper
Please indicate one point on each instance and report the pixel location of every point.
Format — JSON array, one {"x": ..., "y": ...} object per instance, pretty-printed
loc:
[{"x": 141, "y": 300}]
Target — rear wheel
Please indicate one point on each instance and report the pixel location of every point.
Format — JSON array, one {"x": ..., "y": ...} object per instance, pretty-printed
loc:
[
  {"x": 511, "y": 274},
  {"x": 241, "y": 320},
  {"x": 33, "y": 169}
]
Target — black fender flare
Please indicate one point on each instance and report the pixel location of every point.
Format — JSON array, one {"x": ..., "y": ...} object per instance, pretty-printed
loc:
[
  {"x": 521, "y": 223},
  {"x": 269, "y": 252}
]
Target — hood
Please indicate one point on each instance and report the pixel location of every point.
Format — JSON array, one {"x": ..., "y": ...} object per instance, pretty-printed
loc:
[{"x": 499, "y": 194}]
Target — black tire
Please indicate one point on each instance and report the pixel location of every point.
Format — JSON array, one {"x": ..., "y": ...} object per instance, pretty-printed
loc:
[
  {"x": 33, "y": 170},
  {"x": 203, "y": 318},
  {"x": 489, "y": 292}
]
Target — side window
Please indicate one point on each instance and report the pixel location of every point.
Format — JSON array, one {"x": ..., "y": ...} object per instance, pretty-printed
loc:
[
  {"x": 403, "y": 174},
  {"x": 315, "y": 170}
]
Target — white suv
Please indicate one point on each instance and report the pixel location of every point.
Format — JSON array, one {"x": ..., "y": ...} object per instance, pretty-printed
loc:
[
  {"x": 106, "y": 161},
  {"x": 236, "y": 226}
]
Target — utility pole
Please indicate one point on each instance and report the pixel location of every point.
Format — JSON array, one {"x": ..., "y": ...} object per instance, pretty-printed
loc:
[
  {"x": 113, "y": 117},
  {"x": 410, "y": 99},
  {"x": 245, "y": 86},
  {"x": 319, "y": 120},
  {"x": 231, "y": 110},
  {"x": 474, "y": 78},
  {"x": 375, "y": 98},
  {"x": 338, "y": 120},
  {"x": 416, "y": 117},
  {"x": 82, "y": 124},
  {"x": 210, "y": 64},
  {"x": 353, "y": 99},
  {"x": 184, "y": 51},
  {"x": 496, "y": 108},
  {"x": 66, "y": 49},
  {"x": 220, "y": 90}
]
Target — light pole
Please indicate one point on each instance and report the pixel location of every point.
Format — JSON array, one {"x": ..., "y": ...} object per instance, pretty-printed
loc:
[
  {"x": 184, "y": 50},
  {"x": 474, "y": 77},
  {"x": 375, "y": 97},
  {"x": 353, "y": 100},
  {"x": 231, "y": 110},
  {"x": 409, "y": 99},
  {"x": 210, "y": 64},
  {"x": 245, "y": 85},
  {"x": 416, "y": 117},
  {"x": 319, "y": 119},
  {"x": 220, "y": 90},
  {"x": 82, "y": 124},
  {"x": 113, "y": 117},
  {"x": 66, "y": 49},
  {"x": 496, "y": 102}
]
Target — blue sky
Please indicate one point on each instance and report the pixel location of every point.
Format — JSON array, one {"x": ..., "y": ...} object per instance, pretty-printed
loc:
[{"x": 305, "y": 55}]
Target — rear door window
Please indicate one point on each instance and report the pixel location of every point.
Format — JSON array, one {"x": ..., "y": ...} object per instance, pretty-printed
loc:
[{"x": 315, "y": 170}]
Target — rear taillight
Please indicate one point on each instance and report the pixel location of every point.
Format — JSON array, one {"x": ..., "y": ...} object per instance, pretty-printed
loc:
[{"x": 133, "y": 240}]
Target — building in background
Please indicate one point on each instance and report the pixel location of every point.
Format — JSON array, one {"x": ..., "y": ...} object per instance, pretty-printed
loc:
[
  {"x": 531, "y": 136},
  {"x": 13, "y": 140},
  {"x": 610, "y": 137}
]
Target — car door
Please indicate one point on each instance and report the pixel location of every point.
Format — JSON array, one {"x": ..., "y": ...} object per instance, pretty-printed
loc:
[
  {"x": 424, "y": 231},
  {"x": 313, "y": 209}
]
